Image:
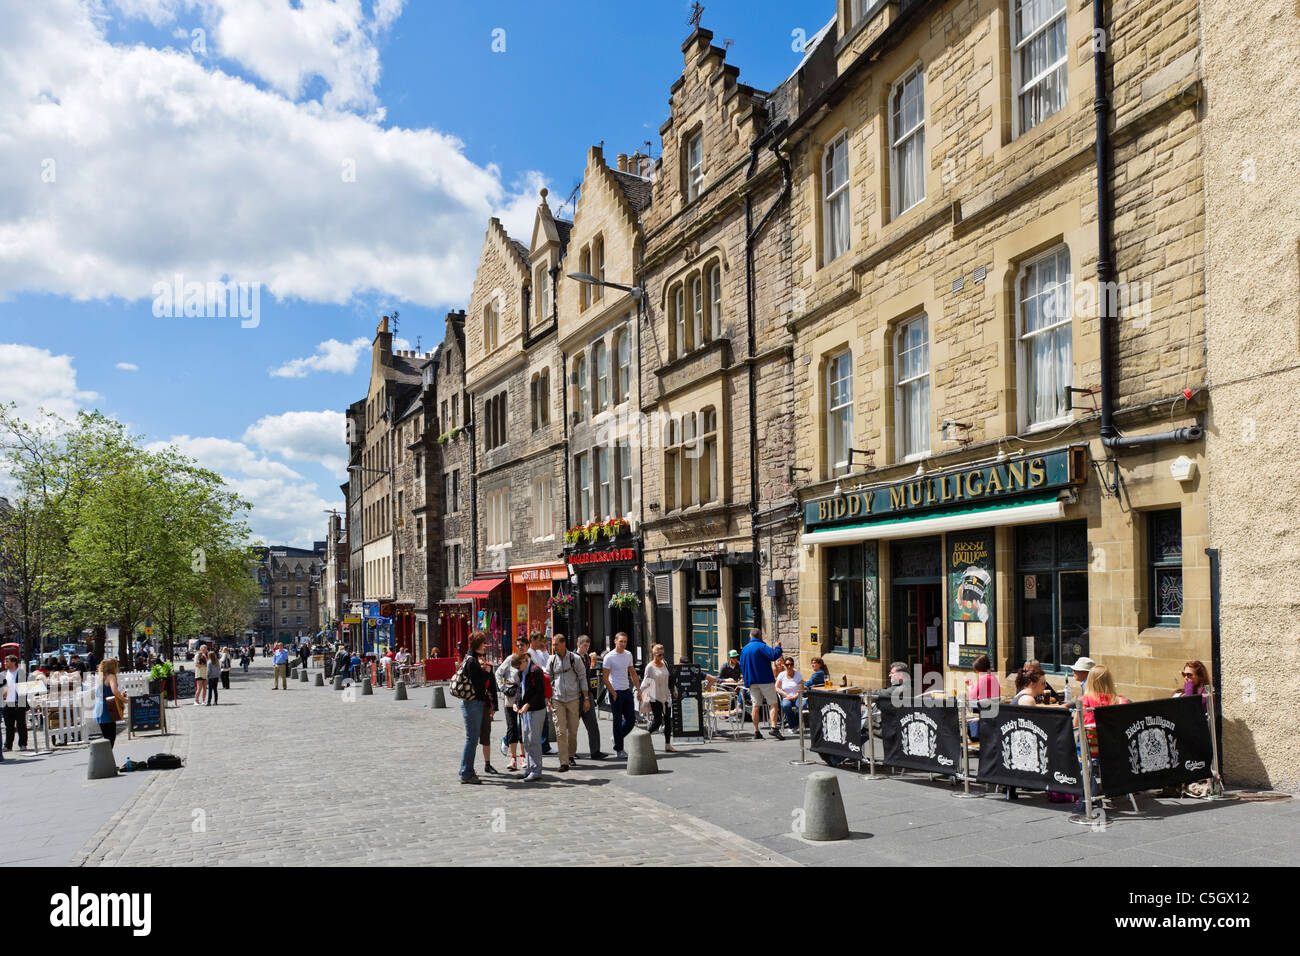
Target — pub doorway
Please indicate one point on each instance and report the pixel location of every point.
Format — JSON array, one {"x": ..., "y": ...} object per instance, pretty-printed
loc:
[{"x": 918, "y": 630}]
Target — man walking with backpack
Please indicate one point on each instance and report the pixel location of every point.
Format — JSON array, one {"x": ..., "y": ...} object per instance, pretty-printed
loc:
[{"x": 568, "y": 698}]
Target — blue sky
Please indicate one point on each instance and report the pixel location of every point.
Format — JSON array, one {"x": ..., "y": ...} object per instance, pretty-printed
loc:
[{"x": 215, "y": 139}]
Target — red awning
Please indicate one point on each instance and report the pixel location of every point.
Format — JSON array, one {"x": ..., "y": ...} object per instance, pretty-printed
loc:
[{"x": 477, "y": 590}]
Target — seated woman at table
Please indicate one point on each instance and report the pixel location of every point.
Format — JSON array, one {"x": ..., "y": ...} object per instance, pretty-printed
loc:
[
  {"x": 986, "y": 687},
  {"x": 788, "y": 683},
  {"x": 1196, "y": 679},
  {"x": 1101, "y": 693},
  {"x": 821, "y": 674},
  {"x": 1031, "y": 686}
]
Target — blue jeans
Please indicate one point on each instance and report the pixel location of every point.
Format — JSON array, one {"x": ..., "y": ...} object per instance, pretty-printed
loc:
[
  {"x": 473, "y": 713},
  {"x": 624, "y": 714},
  {"x": 790, "y": 709},
  {"x": 530, "y": 729}
]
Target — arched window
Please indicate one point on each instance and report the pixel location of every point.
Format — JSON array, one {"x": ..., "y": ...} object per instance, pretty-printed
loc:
[
  {"x": 679, "y": 323},
  {"x": 600, "y": 374},
  {"x": 491, "y": 325},
  {"x": 598, "y": 263},
  {"x": 623, "y": 367},
  {"x": 584, "y": 266},
  {"x": 580, "y": 380},
  {"x": 697, "y": 312},
  {"x": 715, "y": 302}
]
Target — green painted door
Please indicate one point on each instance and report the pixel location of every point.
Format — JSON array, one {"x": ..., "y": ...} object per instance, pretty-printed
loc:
[
  {"x": 704, "y": 637},
  {"x": 744, "y": 621}
]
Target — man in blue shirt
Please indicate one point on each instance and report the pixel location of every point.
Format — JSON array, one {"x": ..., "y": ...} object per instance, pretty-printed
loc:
[
  {"x": 281, "y": 661},
  {"x": 756, "y": 669}
]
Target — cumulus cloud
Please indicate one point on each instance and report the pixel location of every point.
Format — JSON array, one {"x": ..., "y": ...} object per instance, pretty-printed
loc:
[
  {"x": 287, "y": 508},
  {"x": 36, "y": 378},
  {"x": 317, "y": 437},
  {"x": 127, "y": 366},
  {"x": 127, "y": 165},
  {"x": 330, "y": 356}
]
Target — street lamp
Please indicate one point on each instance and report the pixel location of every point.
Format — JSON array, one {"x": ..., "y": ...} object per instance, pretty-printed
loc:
[{"x": 587, "y": 278}]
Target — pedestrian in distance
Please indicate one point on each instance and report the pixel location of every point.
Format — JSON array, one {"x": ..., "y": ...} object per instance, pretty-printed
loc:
[
  {"x": 281, "y": 661},
  {"x": 657, "y": 692},
  {"x": 589, "y": 713},
  {"x": 201, "y": 675},
  {"x": 568, "y": 697},
  {"x": 530, "y": 706},
  {"x": 214, "y": 676},
  {"x": 245, "y": 658},
  {"x": 108, "y": 699},
  {"x": 620, "y": 678},
  {"x": 480, "y": 679},
  {"x": 14, "y": 705},
  {"x": 756, "y": 660}
]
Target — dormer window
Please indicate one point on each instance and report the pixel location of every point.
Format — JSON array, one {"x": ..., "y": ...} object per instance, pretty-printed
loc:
[
  {"x": 543, "y": 284},
  {"x": 694, "y": 166}
]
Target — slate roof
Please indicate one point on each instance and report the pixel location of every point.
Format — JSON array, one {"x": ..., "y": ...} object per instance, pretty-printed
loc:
[{"x": 636, "y": 189}]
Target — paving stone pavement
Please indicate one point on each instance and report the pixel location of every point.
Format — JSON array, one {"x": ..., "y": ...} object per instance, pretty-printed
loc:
[{"x": 305, "y": 777}]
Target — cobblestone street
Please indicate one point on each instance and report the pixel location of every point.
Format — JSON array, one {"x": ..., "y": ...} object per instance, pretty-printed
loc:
[{"x": 305, "y": 776}]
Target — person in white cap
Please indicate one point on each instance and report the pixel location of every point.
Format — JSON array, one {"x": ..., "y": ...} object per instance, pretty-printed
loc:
[{"x": 1081, "y": 667}]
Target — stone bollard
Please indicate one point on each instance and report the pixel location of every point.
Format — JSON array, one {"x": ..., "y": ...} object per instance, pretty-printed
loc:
[
  {"x": 320, "y": 680},
  {"x": 367, "y": 689},
  {"x": 439, "y": 698},
  {"x": 302, "y": 677},
  {"x": 823, "y": 808},
  {"x": 338, "y": 681},
  {"x": 640, "y": 754},
  {"x": 400, "y": 692},
  {"x": 101, "y": 763},
  {"x": 293, "y": 673}
]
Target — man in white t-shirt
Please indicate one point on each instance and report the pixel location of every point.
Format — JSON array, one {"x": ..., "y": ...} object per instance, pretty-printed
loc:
[{"x": 619, "y": 675}]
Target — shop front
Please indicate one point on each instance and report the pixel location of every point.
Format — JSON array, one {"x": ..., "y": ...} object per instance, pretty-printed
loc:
[
  {"x": 484, "y": 605},
  {"x": 606, "y": 595},
  {"x": 937, "y": 570},
  {"x": 531, "y": 588}
]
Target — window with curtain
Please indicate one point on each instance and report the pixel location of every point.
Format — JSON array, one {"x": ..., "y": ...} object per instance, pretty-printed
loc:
[
  {"x": 625, "y": 477},
  {"x": 694, "y": 166},
  {"x": 1039, "y": 61},
  {"x": 835, "y": 199},
  {"x": 679, "y": 322},
  {"x": 907, "y": 140},
  {"x": 912, "y": 389},
  {"x": 605, "y": 479},
  {"x": 709, "y": 463},
  {"x": 839, "y": 412},
  {"x": 1044, "y": 310},
  {"x": 600, "y": 372},
  {"x": 689, "y": 485},
  {"x": 623, "y": 368},
  {"x": 715, "y": 302},
  {"x": 697, "y": 311},
  {"x": 580, "y": 379},
  {"x": 582, "y": 478}
]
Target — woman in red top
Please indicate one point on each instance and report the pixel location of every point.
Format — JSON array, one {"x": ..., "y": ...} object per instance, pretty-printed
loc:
[{"x": 986, "y": 688}]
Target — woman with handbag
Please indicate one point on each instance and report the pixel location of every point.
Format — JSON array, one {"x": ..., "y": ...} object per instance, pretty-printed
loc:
[{"x": 109, "y": 701}]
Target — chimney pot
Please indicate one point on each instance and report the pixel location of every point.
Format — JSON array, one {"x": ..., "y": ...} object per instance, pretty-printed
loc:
[{"x": 622, "y": 162}]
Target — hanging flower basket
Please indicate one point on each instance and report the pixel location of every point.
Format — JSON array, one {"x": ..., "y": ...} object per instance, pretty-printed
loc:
[
  {"x": 625, "y": 601},
  {"x": 560, "y": 603}
]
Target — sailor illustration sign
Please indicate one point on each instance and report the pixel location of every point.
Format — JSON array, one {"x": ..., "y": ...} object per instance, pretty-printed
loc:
[
  {"x": 1029, "y": 747},
  {"x": 972, "y": 625},
  {"x": 1153, "y": 744}
]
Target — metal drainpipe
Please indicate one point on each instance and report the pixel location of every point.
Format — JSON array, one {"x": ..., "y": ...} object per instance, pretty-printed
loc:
[
  {"x": 564, "y": 403},
  {"x": 751, "y": 234},
  {"x": 1105, "y": 260}
]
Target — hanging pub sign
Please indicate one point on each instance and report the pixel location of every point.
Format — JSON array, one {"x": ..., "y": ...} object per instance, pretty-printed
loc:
[
  {"x": 1153, "y": 744},
  {"x": 688, "y": 700},
  {"x": 972, "y": 629},
  {"x": 1030, "y": 747},
  {"x": 926, "y": 737},
  {"x": 835, "y": 724},
  {"x": 960, "y": 488}
]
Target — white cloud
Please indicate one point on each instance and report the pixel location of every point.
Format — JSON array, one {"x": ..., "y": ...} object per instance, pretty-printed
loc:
[
  {"x": 317, "y": 437},
  {"x": 36, "y": 378},
  {"x": 127, "y": 366},
  {"x": 124, "y": 166},
  {"x": 331, "y": 356},
  {"x": 287, "y": 508}
]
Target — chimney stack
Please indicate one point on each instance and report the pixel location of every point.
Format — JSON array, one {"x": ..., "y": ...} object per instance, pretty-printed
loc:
[
  {"x": 622, "y": 162},
  {"x": 383, "y": 325}
]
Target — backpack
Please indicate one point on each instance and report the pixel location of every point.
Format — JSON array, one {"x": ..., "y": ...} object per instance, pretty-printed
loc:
[
  {"x": 163, "y": 762},
  {"x": 462, "y": 688}
]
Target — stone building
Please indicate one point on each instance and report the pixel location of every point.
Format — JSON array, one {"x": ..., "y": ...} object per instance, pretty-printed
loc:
[
  {"x": 355, "y": 419},
  {"x": 512, "y": 371},
  {"x": 1000, "y": 398},
  {"x": 334, "y": 578},
  {"x": 293, "y": 609},
  {"x": 415, "y": 569},
  {"x": 448, "y": 522},
  {"x": 1252, "y": 284},
  {"x": 600, "y": 385},
  {"x": 717, "y": 376}
]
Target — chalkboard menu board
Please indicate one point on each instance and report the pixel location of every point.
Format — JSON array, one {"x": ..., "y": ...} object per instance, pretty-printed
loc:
[
  {"x": 688, "y": 701},
  {"x": 185, "y": 686},
  {"x": 146, "y": 713}
]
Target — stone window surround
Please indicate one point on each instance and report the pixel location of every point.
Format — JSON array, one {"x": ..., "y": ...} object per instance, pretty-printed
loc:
[
  {"x": 701, "y": 271},
  {"x": 897, "y": 328},
  {"x": 691, "y": 189},
  {"x": 895, "y": 208},
  {"x": 824, "y": 258}
]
